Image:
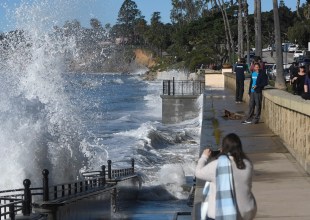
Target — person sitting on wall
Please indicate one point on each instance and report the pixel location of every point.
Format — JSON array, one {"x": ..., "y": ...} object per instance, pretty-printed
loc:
[
  {"x": 299, "y": 81},
  {"x": 306, "y": 94}
]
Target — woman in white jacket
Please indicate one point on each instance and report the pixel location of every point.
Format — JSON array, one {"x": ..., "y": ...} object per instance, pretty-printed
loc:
[{"x": 242, "y": 171}]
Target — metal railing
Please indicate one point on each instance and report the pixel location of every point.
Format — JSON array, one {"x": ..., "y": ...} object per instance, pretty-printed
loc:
[
  {"x": 183, "y": 87},
  {"x": 19, "y": 201}
]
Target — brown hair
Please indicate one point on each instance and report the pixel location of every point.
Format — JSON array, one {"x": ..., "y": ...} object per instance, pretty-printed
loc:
[
  {"x": 258, "y": 64},
  {"x": 232, "y": 145}
]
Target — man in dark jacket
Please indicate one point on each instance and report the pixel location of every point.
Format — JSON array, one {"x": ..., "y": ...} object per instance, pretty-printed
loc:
[
  {"x": 240, "y": 69},
  {"x": 258, "y": 81}
]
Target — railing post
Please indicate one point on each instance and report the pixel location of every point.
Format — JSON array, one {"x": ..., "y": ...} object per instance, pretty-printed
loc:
[
  {"x": 103, "y": 174},
  {"x": 133, "y": 165},
  {"x": 27, "y": 198},
  {"x": 109, "y": 169},
  {"x": 45, "y": 173},
  {"x": 168, "y": 87},
  {"x": 12, "y": 211},
  {"x": 69, "y": 189},
  {"x": 193, "y": 87},
  {"x": 63, "y": 191},
  {"x": 163, "y": 87},
  {"x": 75, "y": 188},
  {"x": 55, "y": 192},
  {"x": 173, "y": 86},
  {"x": 81, "y": 186}
]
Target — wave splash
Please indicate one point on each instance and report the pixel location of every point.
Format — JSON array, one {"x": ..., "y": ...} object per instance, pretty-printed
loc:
[{"x": 40, "y": 127}]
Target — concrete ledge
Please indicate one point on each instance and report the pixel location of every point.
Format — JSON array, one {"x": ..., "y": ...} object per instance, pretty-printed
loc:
[
  {"x": 179, "y": 96},
  {"x": 287, "y": 100}
]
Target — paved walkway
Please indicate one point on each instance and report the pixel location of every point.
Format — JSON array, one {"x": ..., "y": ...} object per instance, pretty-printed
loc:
[{"x": 281, "y": 187}]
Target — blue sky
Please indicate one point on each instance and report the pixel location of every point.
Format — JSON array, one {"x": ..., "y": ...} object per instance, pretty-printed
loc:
[{"x": 106, "y": 10}]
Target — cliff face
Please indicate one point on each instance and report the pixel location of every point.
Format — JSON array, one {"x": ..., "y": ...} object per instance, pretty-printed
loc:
[
  {"x": 117, "y": 59},
  {"x": 144, "y": 58}
]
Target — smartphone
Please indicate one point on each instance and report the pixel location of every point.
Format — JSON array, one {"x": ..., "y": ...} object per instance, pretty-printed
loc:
[{"x": 215, "y": 153}]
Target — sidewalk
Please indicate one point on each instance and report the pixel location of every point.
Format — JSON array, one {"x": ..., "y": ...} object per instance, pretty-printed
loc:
[{"x": 280, "y": 186}]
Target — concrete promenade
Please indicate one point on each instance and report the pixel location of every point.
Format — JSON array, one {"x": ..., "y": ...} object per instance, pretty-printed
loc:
[{"x": 281, "y": 187}]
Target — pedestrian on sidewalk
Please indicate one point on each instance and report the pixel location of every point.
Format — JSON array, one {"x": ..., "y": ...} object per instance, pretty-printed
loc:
[
  {"x": 298, "y": 81},
  {"x": 306, "y": 94},
  {"x": 240, "y": 69},
  {"x": 228, "y": 187},
  {"x": 259, "y": 80}
]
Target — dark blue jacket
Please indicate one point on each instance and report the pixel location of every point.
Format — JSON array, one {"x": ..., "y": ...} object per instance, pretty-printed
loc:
[
  {"x": 261, "y": 82},
  {"x": 240, "y": 68}
]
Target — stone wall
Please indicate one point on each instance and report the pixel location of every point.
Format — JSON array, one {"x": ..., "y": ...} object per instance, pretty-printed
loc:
[
  {"x": 289, "y": 117},
  {"x": 176, "y": 108},
  {"x": 286, "y": 115}
]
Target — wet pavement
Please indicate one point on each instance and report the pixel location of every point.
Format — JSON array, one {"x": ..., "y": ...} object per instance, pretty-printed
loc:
[{"x": 280, "y": 185}]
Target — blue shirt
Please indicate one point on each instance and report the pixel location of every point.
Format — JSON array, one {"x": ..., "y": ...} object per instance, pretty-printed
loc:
[{"x": 254, "y": 78}]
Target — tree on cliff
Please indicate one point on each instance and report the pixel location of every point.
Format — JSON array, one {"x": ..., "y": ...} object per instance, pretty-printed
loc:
[
  {"x": 186, "y": 11},
  {"x": 158, "y": 34},
  {"x": 127, "y": 17}
]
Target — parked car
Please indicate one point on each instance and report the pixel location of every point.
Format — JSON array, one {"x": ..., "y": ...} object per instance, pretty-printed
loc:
[
  {"x": 270, "y": 70},
  {"x": 252, "y": 55},
  {"x": 287, "y": 75},
  {"x": 298, "y": 53},
  {"x": 269, "y": 48},
  {"x": 305, "y": 62},
  {"x": 292, "y": 48},
  {"x": 299, "y": 59}
]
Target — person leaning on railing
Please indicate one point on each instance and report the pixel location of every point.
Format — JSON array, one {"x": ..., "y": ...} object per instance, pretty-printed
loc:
[{"x": 259, "y": 80}]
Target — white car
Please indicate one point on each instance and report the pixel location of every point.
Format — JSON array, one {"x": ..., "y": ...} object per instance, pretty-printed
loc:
[
  {"x": 267, "y": 49},
  {"x": 298, "y": 53},
  {"x": 292, "y": 48}
]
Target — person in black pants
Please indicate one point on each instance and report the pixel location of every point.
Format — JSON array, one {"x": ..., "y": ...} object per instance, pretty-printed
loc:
[
  {"x": 240, "y": 68},
  {"x": 259, "y": 80},
  {"x": 298, "y": 81}
]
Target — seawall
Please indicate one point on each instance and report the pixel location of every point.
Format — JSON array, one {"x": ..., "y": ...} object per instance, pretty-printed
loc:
[{"x": 287, "y": 115}]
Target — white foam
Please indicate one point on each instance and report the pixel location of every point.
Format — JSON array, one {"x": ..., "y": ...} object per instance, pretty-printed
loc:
[
  {"x": 176, "y": 74},
  {"x": 118, "y": 81},
  {"x": 40, "y": 128}
]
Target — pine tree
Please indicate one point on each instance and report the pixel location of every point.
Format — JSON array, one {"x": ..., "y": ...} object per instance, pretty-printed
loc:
[{"x": 127, "y": 16}]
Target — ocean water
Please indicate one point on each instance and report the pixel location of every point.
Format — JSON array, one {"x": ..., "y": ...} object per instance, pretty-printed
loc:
[
  {"x": 121, "y": 115},
  {"x": 72, "y": 122}
]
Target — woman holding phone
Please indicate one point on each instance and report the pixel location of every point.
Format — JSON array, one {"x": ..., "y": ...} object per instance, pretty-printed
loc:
[{"x": 229, "y": 198}]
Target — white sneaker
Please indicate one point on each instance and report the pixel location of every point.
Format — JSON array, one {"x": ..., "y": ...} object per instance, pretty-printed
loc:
[{"x": 246, "y": 122}]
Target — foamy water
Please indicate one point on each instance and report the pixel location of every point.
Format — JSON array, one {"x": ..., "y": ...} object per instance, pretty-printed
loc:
[{"x": 71, "y": 122}]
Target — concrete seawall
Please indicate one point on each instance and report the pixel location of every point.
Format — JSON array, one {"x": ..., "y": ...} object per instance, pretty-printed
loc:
[{"x": 287, "y": 115}]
